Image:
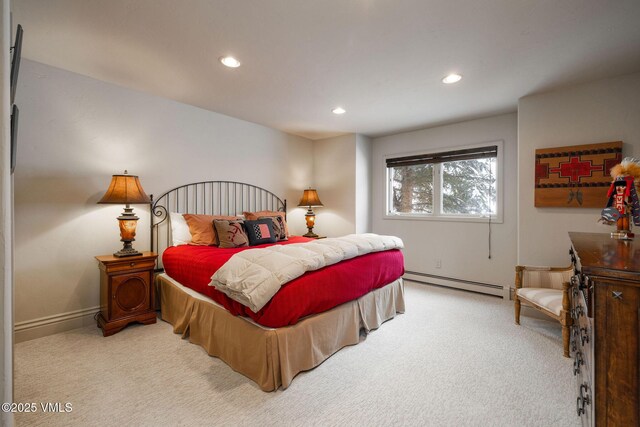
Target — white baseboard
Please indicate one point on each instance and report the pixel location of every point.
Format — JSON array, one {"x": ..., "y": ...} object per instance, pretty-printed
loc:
[
  {"x": 449, "y": 282},
  {"x": 49, "y": 325}
]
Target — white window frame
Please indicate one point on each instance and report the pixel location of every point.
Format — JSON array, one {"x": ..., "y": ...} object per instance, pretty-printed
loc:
[{"x": 437, "y": 214}]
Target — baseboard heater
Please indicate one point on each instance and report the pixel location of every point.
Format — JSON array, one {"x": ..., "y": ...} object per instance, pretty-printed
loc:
[{"x": 450, "y": 282}]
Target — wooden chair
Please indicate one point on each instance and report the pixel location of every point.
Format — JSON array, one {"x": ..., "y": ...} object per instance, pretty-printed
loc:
[{"x": 547, "y": 290}]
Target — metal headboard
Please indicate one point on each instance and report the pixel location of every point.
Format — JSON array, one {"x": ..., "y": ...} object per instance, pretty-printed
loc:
[{"x": 209, "y": 198}]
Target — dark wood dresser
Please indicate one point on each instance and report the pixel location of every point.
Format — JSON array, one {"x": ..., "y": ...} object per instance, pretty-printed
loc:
[{"x": 606, "y": 327}]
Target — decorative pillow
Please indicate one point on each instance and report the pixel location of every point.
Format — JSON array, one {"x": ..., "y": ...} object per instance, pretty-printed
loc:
[
  {"x": 278, "y": 227},
  {"x": 201, "y": 228},
  {"x": 256, "y": 215},
  {"x": 260, "y": 231},
  {"x": 230, "y": 233},
  {"x": 179, "y": 229}
]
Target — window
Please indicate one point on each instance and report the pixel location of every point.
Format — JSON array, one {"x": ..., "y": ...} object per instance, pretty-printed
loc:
[
  {"x": 449, "y": 184},
  {"x": 412, "y": 189}
]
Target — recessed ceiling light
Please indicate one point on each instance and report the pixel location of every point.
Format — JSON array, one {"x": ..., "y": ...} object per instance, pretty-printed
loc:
[
  {"x": 452, "y": 78},
  {"x": 338, "y": 110},
  {"x": 230, "y": 61}
]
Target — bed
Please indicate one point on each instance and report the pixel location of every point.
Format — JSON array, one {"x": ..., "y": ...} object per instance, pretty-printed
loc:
[{"x": 306, "y": 321}]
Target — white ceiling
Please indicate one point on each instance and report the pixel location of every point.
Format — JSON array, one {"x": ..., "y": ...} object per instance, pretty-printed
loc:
[{"x": 382, "y": 60}]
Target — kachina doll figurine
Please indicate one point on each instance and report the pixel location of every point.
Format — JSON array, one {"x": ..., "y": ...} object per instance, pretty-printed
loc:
[{"x": 623, "y": 201}]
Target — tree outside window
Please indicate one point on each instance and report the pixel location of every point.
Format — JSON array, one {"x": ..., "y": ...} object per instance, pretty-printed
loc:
[
  {"x": 469, "y": 187},
  {"x": 454, "y": 183},
  {"x": 413, "y": 189}
]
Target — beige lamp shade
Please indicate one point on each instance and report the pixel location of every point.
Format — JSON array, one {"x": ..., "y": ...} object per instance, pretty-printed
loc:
[
  {"x": 125, "y": 189},
  {"x": 310, "y": 198}
]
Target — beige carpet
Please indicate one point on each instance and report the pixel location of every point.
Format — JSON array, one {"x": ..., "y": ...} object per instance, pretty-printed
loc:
[{"x": 453, "y": 359}]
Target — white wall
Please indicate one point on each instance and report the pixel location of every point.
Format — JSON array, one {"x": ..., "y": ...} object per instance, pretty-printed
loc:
[
  {"x": 75, "y": 132},
  {"x": 334, "y": 161},
  {"x": 462, "y": 246},
  {"x": 6, "y": 207},
  {"x": 342, "y": 176},
  {"x": 363, "y": 184},
  {"x": 602, "y": 111}
]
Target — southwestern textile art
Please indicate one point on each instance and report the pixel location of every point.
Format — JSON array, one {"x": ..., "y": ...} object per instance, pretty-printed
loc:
[{"x": 575, "y": 176}]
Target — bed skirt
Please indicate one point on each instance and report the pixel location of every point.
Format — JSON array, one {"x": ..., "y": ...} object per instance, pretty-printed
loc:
[{"x": 273, "y": 357}]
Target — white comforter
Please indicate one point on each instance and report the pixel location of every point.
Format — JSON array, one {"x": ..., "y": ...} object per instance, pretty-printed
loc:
[{"x": 253, "y": 277}]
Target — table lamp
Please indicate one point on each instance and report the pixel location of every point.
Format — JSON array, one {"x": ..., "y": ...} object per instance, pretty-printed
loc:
[
  {"x": 310, "y": 198},
  {"x": 126, "y": 189}
]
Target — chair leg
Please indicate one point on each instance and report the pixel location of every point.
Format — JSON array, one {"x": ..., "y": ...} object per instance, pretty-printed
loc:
[
  {"x": 565, "y": 340},
  {"x": 518, "y": 284}
]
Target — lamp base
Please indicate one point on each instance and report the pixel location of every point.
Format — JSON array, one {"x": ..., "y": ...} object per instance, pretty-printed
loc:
[
  {"x": 127, "y": 223},
  {"x": 310, "y": 234},
  {"x": 126, "y": 252}
]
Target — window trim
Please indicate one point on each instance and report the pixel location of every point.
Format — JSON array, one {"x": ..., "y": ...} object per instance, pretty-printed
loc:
[{"x": 437, "y": 214}]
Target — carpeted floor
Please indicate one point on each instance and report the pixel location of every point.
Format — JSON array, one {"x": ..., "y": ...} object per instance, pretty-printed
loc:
[{"x": 453, "y": 359}]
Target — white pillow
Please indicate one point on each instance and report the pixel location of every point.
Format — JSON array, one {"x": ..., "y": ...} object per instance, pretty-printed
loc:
[{"x": 179, "y": 229}]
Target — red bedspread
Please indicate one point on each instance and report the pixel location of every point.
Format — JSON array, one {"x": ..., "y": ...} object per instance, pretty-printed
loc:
[{"x": 314, "y": 292}]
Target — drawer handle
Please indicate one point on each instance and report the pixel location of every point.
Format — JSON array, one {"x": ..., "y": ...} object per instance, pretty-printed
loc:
[
  {"x": 577, "y": 362},
  {"x": 577, "y": 312},
  {"x": 132, "y": 264},
  {"x": 585, "y": 397},
  {"x": 574, "y": 338},
  {"x": 582, "y": 400},
  {"x": 585, "y": 283},
  {"x": 584, "y": 335},
  {"x": 579, "y": 406}
]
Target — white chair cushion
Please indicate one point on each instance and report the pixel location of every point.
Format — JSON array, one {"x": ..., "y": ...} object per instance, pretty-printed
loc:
[{"x": 549, "y": 299}]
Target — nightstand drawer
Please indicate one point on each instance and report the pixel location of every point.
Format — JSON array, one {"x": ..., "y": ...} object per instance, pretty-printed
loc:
[{"x": 129, "y": 265}]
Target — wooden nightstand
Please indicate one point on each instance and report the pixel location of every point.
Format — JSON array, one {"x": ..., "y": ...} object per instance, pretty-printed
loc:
[{"x": 126, "y": 291}]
